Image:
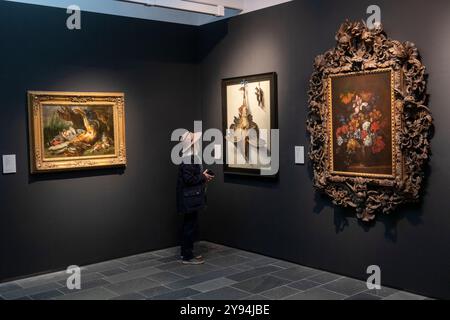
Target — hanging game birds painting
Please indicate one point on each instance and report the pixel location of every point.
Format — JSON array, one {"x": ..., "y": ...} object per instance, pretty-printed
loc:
[{"x": 249, "y": 114}]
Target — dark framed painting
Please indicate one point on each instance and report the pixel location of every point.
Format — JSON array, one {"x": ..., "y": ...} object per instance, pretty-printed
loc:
[
  {"x": 249, "y": 110},
  {"x": 362, "y": 122},
  {"x": 76, "y": 130}
]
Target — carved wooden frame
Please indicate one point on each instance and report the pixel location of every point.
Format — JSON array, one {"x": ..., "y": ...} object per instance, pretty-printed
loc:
[
  {"x": 38, "y": 162},
  {"x": 360, "y": 50}
]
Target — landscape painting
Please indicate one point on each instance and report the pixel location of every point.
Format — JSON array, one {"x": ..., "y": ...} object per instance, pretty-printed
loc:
[{"x": 361, "y": 114}]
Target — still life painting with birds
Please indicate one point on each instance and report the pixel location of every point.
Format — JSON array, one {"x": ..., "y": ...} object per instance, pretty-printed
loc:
[
  {"x": 74, "y": 130},
  {"x": 249, "y": 110}
]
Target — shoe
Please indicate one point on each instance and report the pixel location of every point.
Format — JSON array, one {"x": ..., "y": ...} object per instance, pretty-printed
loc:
[
  {"x": 197, "y": 257},
  {"x": 193, "y": 262}
]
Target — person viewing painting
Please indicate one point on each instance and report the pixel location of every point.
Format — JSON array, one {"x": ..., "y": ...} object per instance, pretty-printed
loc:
[{"x": 191, "y": 195}]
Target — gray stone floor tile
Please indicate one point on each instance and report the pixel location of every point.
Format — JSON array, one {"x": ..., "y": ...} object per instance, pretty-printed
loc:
[
  {"x": 165, "y": 277},
  {"x": 23, "y": 298},
  {"x": 363, "y": 296},
  {"x": 202, "y": 278},
  {"x": 261, "y": 262},
  {"x": 243, "y": 267},
  {"x": 229, "y": 261},
  {"x": 346, "y": 286},
  {"x": 284, "y": 264},
  {"x": 324, "y": 277},
  {"x": 85, "y": 277},
  {"x": 142, "y": 265},
  {"x": 253, "y": 273},
  {"x": 213, "y": 284},
  {"x": 167, "y": 252},
  {"x": 317, "y": 294},
  {"x": 227, "y": 251},
  {"x": 251, "y": 255},
  {"x": 303, "y": 285},
  {"x": 10, "y": 286},
  {"x": 98, "y": 293},
  {"x": 226, "y": 293},
  {"x": 190, "y": 271},
  {"x": 170, "y": 265},
  {"x": 85, "y": 285},
  {"x": 10, "y": 295},
  {"x": 296, "y": 273},
  {"x": 256, "y": 297},
  {"x": 137, "y": 258},
  {"x": 103, "y": 266},
  {"x": 279, "y": 293},
  {"x": 130, "y": 296},
  {"x": 260, "y": 284},
  {"x": 46, "y": 295},
  {"x": 113, "y": 272},
  {"x": 133, "y": 285},
  {"x": 42, "y": 279},
  {"x": 401, "y": 295},
  {"x": 169, "y": 259},
  {"x": 155, "y": 291},
  {"x": 176, "y": 295},
  {"x": 140, "y": 273},
  {"x": 383, "y": 292}
]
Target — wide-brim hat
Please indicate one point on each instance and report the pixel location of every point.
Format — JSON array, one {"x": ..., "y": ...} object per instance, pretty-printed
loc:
[{"x": 189, "y": 139}]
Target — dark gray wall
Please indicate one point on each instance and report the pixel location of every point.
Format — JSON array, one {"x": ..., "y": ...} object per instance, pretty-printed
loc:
[
  {"x": 51, "y": 221},
  {"x": 48, "y": 222},
  {"x": 287, "y": 219}
]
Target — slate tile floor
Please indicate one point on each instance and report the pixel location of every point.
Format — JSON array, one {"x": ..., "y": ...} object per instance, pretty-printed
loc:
[{"x": 228, "y": 274}]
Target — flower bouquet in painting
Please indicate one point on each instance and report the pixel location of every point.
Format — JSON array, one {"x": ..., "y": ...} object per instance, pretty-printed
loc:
[
  {"x": 361, "y": 135},
  {"x": 361, "y": 127}
]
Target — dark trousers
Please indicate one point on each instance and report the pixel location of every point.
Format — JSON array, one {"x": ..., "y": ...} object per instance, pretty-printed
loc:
[{"x": 190, "y": 226}]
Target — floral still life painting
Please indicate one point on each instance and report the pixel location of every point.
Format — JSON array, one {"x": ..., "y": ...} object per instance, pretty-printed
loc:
[
  {"x": 369, "y": 124},
  {"x": 362, "y": 126},
  {"x": 76, "y": 130}
]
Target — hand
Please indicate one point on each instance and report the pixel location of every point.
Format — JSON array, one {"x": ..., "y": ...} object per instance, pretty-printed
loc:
[{"x": 207, "y": 176}]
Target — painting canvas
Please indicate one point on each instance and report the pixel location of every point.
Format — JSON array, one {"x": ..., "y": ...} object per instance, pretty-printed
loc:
[
  {"x": 249, "y": 113},
  {"x": 76, "y": 130},
  {"x": 361, "y": 118}
]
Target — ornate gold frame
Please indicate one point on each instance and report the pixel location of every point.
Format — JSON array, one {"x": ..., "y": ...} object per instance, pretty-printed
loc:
[
  {"x": 330, "y": 125},
  {"x": 38, "y": 162},
  {"x": 362, "y": 50}
]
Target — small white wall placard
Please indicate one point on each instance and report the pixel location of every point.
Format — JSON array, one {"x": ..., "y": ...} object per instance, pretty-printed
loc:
[
  {"x": 9, "y": 163},
  {"x": 299, "y": 155},
  {"x": 217, "y": 151}
]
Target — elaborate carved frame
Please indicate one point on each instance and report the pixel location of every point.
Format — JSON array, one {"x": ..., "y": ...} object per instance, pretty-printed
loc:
[
  {"x": 38, "y": 162},
  {"x": 360, "y": 50}
]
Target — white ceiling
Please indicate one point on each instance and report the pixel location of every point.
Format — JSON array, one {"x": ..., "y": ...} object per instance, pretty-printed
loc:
[{"x": 128, "y": 9}]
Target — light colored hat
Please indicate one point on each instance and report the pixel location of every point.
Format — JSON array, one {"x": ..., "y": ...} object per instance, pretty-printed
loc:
[{"x": 189, "y": 139}]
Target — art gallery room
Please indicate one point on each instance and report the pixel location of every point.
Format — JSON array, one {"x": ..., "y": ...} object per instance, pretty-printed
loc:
[{"x": 225, "y": 150}]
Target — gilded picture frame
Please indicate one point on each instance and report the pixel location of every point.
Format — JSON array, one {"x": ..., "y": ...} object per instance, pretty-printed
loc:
[
  {"x": 76, "y": 130},
  {"x": 360, "y": 53}
]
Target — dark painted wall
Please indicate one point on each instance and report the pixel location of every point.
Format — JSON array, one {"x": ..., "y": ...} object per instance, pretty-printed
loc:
[
  {"x": 49, "y": 222},
  {"x": 287, "y": 219}
]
